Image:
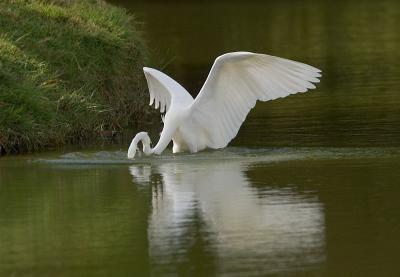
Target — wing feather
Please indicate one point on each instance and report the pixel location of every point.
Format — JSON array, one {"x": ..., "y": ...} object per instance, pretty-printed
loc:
[
  {"x": 164, "y": 90},
  {"x": 235, "y": 83}
]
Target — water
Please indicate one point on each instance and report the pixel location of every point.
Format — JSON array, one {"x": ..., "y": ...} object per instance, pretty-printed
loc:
[
  {"x": 354, "y": 43},
  {"x": 238, "y": 211},
  {"x": 310, "y": 186}
]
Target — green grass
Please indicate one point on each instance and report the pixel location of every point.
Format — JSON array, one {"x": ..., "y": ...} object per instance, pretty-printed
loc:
[{"x": 68, "y": 69}]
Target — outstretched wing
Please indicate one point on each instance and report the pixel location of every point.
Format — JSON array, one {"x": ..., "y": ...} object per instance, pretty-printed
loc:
[
  {"x": 164, "y": 90},
  {"x": 235, "y": 83}
]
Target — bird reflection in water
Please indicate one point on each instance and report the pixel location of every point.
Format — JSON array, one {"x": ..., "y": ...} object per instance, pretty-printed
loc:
[{"x": 211, "y": 208}]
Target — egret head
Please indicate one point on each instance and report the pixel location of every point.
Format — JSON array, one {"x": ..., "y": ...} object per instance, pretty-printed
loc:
[
  {"x": 132, "y": 149},
  {"x": 144, "y": 138}
]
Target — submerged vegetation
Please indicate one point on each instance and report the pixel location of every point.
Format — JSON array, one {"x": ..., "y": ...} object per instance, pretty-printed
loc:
[{"x": 68, "y": 69}]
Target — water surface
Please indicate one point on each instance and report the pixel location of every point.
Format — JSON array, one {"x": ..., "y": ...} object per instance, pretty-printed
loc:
[
  {"x": 237, "y": 212},
  {"x": 355, "y": 44}
]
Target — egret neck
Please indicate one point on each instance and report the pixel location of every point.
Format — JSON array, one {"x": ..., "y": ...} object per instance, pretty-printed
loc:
[{"x": 145, "y": 139}]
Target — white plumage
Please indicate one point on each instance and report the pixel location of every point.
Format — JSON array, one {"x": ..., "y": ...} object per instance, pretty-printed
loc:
[{"x": 235, "y": 83}]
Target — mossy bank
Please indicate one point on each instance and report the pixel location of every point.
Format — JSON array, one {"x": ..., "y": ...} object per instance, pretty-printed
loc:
[{"x": 68, "y": 69}]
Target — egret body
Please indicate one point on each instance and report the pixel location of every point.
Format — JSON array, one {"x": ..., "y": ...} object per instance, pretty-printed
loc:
[{"x": 211, "y": 120}]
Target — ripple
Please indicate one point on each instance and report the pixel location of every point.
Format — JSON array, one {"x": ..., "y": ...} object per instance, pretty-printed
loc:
[{"x": 264, "y": 155}]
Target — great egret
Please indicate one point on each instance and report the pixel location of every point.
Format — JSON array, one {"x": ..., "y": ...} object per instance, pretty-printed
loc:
[{"x": 233, "y": 86}]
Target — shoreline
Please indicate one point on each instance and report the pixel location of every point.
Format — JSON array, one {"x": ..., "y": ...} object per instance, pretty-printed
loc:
[{"x": 69, "y": 71}]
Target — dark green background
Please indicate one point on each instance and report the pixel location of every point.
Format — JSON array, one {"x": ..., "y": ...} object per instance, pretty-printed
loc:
[{"x": 355, "y": 44}]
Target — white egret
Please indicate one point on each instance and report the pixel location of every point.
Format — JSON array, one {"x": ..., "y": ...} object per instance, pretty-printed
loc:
[{"x": 233, "y": 86}]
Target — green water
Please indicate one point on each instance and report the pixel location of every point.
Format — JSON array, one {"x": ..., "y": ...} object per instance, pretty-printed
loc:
[
  {"x": 310, "y": 186},
  {"x": 238, "y": 211},
  {"x": 355, "y": 44}
]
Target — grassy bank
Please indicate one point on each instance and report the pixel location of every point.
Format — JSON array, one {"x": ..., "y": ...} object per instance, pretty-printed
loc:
[{"x": 68, "y": 69}]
